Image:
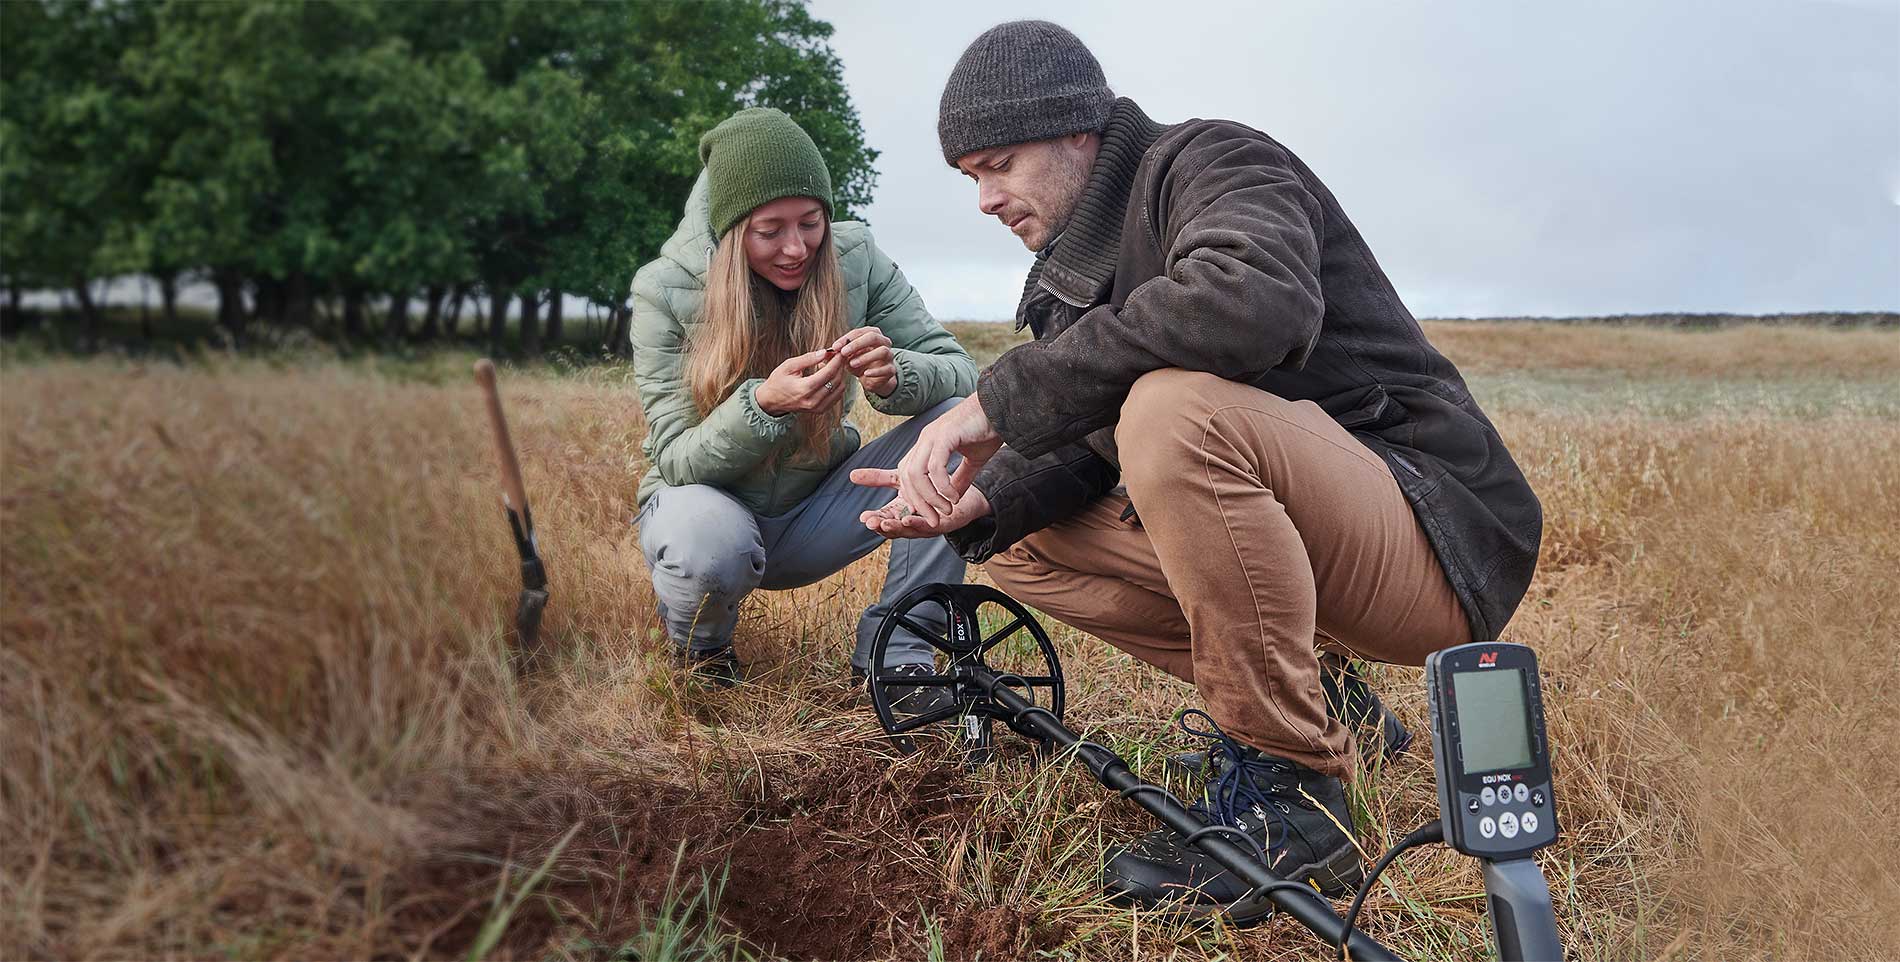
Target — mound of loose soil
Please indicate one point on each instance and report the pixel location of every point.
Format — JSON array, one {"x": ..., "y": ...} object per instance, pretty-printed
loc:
[{"x": 821, "y": 860}]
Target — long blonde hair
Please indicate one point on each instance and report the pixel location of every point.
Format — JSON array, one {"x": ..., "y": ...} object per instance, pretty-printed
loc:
[{"x": 739, "y": 337}]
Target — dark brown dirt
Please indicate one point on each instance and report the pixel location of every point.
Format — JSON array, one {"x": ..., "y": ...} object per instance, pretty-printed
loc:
[{"x": 830, "y": 859}]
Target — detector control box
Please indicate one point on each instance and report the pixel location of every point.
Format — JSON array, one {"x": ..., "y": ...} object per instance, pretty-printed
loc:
[{"x": 1490, "y": 750}]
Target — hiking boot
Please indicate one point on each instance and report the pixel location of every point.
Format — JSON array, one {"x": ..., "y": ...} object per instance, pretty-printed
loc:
[
  {"x": 1354, "y": 703},
  {"x": 909, "y": 702},
  {"x": 1294, "y": 813},
  {"x": 1348, "y": 699},
  {"x": 719, "y": 668}
]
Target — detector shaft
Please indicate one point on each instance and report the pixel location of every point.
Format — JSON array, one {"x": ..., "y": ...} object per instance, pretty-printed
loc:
[{"x": 1303, "y": 904}]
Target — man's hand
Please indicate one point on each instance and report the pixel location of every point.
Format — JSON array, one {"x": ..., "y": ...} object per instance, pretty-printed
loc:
[
  {"x": 867, "y": 352},
  {"x": 808, "y": 382},
  {"x": 924, "y": 480},
  {"x": 896, "y": 520}
]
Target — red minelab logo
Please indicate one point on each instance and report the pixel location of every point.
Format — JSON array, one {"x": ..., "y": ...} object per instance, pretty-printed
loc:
[{"x": 1488, "y": 659}]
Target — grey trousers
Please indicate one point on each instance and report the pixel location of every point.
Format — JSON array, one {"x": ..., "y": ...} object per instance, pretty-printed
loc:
[{"x": 707, "y": 552}]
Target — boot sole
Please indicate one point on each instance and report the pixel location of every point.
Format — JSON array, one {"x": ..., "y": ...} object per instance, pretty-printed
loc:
[{"x": 1339, "y": 874}]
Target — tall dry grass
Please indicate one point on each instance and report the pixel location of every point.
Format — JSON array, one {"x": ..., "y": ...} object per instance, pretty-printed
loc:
[
  {"x": 1718, "y": 614},
  {"x": 243, "y": 607},
  {"x": 255, "y": 699},
  {"x": 1644, "y": 352}
]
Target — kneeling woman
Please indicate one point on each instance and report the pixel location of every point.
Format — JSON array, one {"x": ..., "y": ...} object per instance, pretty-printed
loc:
[{"x": 747, "y": 333}]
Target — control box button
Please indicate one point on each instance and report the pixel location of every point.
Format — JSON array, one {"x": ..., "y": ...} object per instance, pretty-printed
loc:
[
  {"x": 1490, "y": 796},
  {"x": 1487, "y": 827},
  {"x": 1507, "y": 824},
  {"x": 1529, "y": 822}
]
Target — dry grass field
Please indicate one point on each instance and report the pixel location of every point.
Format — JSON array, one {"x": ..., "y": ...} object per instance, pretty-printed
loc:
[{"x": 255, "y": 699}]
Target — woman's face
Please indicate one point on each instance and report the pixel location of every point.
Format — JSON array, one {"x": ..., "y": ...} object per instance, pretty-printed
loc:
[{"x": 781, "y": 237}]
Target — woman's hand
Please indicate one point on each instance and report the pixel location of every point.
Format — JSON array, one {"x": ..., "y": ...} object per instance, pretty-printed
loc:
[
  {"x": 867, "y": 352},
  {"x": 808, "y": 382}
]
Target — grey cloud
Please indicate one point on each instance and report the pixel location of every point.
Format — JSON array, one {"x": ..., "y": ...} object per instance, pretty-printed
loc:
[{"x": 1501, "y": 158}]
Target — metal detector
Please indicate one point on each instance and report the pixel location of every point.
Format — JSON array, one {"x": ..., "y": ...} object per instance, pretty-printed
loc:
[{"x": 999, "y": 665}]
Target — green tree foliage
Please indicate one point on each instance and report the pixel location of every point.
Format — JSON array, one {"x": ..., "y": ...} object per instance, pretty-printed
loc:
[
  {"x": 348, "y": 152},
  {"x": 70, "y": 186}
]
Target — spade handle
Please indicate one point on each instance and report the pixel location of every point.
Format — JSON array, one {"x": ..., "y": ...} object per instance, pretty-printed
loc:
[{"x": 514, "y": 493}]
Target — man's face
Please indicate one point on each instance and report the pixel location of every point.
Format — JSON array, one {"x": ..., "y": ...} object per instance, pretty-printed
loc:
[{"x": 1032, "y": 187}]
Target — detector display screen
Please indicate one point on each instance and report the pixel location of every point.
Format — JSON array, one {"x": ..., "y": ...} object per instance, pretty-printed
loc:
[{"x": 1494, "y": 731}]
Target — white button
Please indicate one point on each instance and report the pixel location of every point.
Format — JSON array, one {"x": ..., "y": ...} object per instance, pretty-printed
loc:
[
  {"x": 1520, "y": 792},
  {"x": 1489, "y": 796},
  {"x": 1487, "y": 827},
  {"x": 1507, "y": 823},
  {"x": 1529, "y": 822}
]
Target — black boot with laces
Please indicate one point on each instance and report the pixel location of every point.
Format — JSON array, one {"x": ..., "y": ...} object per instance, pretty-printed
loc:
[
  {"x": 1297, "y": 816},
  {"x": 1350, "y": 700}
]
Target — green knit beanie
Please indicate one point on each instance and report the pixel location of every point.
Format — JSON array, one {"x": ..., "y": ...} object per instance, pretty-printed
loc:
[{"x": 757, "y": 156}]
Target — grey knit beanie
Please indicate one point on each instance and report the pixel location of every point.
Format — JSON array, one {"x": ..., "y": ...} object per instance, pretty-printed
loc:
[
  {"x": 1021, "y": 81},
  {"x": 757, "y": 156}
]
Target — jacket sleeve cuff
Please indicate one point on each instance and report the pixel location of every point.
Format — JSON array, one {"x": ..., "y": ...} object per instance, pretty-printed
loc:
[
  {"x": 975, "y": 542},
  {"x": 907, "y": 397},
  {"x": 1025, "y": 497},
  {"x": 767, "y": 426}
]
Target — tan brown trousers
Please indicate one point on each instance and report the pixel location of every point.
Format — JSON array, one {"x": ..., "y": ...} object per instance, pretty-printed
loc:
[{"x": 1264, "y": 529}]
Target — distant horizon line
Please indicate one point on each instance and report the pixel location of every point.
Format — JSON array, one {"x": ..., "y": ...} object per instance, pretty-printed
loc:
[
  {"x": 1879, "y": 318},
  {"x": 129, "y": 290}
]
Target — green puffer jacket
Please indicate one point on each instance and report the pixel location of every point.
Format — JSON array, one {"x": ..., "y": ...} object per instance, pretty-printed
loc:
[{"x": 738, "y": 447}]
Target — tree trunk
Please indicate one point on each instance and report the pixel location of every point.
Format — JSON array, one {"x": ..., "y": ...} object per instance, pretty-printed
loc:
[
  {"x": 396, "y": 325},
  {"x": 323, "y": 313},
  {"x": 13, "y": 316},
  {"x": 353, "y": 312},
  {"x": 268, "y": 303},
  {"x": 230, "y": 303},
  {"x": 554, "y": 328},
  {"x": 531, "y": 324},
  {"x": 618, "y": 331},
  {"x": 299, "y": 303},
  {"x": 13, "y": 319},
  {"x": 453, "y": 324},
  {"x": 88, "y": 311},
  {"x": 168, "y": 294},
  {"x": 432, "y": 317},
  {"x": 497, "y": 319}
]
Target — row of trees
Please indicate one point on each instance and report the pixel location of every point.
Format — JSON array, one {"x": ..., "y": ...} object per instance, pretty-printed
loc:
[{"x": 311, "y": 158}]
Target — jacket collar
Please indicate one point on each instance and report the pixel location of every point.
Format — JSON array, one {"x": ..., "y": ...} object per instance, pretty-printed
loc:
[
  {"x": 1080, "y": 266},
  {"x": 692, "y": 242}
]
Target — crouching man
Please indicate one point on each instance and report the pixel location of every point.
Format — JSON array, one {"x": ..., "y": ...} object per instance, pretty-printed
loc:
[{"x": 1229, "y": 450}]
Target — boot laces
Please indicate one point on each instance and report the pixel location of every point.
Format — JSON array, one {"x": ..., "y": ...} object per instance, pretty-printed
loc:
[{"x": 1236, "y": 792}]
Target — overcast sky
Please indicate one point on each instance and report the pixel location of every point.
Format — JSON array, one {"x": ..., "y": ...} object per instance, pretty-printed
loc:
[{"x": 1501, "y": 158}]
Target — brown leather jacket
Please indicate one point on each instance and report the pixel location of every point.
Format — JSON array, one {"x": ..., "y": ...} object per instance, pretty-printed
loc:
[{"x": 1208, "y": 246}]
